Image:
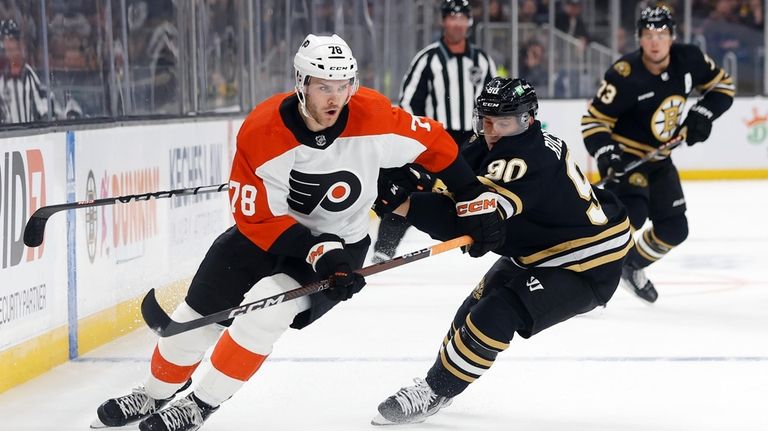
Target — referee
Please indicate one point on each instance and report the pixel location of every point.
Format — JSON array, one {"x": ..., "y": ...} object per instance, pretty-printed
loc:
[
  {"x": 442, "y": 83},
  {"x": 446, "y": 77},
  {"x": 22, "y": 96}
]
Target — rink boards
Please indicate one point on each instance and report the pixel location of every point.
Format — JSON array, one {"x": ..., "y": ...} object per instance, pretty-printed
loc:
[{"x": 82, "y": 287}]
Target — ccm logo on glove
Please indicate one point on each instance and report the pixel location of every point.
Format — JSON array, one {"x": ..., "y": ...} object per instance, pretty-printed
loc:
[{"x": 483, "y": 204}]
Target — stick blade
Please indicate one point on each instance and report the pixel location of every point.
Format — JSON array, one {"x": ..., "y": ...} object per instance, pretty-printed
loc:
[
  {"x": 34, "y": 231},
  {"x": 157, "y": 319}
]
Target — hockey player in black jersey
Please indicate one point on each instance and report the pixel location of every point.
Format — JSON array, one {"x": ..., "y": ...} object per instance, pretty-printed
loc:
[
  {"x": 638, "y": 107},
  {"x": 564, "y": 248}
]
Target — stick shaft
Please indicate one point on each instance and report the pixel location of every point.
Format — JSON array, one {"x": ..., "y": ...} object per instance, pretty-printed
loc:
[
  {"x": 160, "y": 322},
  {"x": 34, "y": 231}
]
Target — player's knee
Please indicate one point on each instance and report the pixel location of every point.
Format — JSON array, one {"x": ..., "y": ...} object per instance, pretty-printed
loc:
[
  {"x": 637, "y": 210},
  {"x": 499, "y": 315},
  {"x": 672, "y": 230},
  {"x": 259, "y": 330},
  {"x": 188, "y": 347}
]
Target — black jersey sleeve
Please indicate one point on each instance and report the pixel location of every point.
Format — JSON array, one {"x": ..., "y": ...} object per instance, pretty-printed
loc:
[
  {"x": 614, "y": 96},
  {"x": 434, "y": 214},
  {"x": 714, "y": 83}
]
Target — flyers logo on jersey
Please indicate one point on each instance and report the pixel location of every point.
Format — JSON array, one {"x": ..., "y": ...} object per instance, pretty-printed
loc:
[
  {"x": 483, "y": 204},
  {"x": 334, "y": 192}
]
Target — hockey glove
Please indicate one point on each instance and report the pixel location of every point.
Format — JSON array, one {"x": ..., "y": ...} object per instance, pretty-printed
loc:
[
  {"x": 396, "y": 184},
  {"x": 697, "y": 125},
  {"x": 331, "y": 261},
  {"x": 609, "y": 161},
  {"x": 481, "y": 218}
]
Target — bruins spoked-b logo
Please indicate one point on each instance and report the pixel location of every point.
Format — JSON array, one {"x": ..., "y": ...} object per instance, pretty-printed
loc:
[
  {"x": 666, "y": 118},
  {"x": 333, "y": 192}
]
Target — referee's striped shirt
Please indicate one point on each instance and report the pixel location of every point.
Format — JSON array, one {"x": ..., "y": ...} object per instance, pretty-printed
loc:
[
  {"x": 22, "y": 98},
  {"x": 443, "y": 86}
]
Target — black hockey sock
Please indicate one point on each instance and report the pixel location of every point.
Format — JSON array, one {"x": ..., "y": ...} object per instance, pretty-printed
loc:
[
  {"x": 648, "y": 249},
  {"x": 462, "y": 360},
  {"x": 391, "y": 231}
]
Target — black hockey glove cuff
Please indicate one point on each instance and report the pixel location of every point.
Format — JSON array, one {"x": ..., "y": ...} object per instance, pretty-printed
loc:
[
  {"x": 396, "y": 185},
  {"x": 697, "y": 125},
  {"x": 481, "y": 217},
  {"x": 323, "y": 244},
  {"x": 609, "y": 161}
]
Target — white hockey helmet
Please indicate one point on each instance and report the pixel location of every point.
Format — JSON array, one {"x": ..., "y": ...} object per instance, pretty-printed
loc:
[{"x": 326, "y": 57}]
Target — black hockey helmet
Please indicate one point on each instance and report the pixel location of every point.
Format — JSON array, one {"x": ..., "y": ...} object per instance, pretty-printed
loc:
[
  {"x": 656, "y": 18},
  {"x": 506, "y": 97},
  {"x": 9, "y": 28},
  {"x": 450, "y": 7}
]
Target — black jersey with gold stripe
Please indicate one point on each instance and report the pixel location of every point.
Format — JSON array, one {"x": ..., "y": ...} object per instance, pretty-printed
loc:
[
  {"x": 641, "y": 111},
  {"x": 555, "y": 218}
]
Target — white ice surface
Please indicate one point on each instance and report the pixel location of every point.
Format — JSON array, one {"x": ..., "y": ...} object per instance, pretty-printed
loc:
[{"x": 696, "y": 360}]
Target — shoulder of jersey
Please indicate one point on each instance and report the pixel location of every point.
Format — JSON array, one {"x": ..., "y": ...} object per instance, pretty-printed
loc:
[
  {"x": 624, "y": 66},
  {"x": 367, "y": 103},
  {"x": 265, "y": 120},
  {"x": 686, "y": 52},
  {"x": 267, "y": 112}
]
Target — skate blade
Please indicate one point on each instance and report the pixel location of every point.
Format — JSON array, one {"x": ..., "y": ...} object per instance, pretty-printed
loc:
[
  {"x": 97, "y": 424},
  {"x": 380, "y": 420},
  {"x": 629, "y": 288}
]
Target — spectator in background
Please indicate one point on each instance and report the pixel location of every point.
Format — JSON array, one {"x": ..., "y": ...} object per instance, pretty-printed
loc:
[
  {"x": 24, "y": 100},
  {"x": 569, "y": 21},
  {"x": 496, "y": 11},
  {"x": 528, "y": 12},
  {"x": 721, "y": 29},
  {"x": 71, "y": 37},
  {"x": 752, "y": 15},
  {"x": 533, "y": 66}
]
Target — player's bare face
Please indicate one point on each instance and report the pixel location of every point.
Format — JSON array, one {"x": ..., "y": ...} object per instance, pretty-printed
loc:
[
  {"x": 455, "y": 28},
  {"x": 656, "y": 45},
  {"x": 325, "y": 99},
  {"x": 15, "y": 55},
  {"x": 494, "y": 128}
]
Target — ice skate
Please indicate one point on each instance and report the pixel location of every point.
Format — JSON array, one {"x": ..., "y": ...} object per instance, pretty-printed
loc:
[
  {"x": 126, "y": 410},
  {"x": 410, "y": 405},
  {"x": 185, "y": 414},
  {"x": 635, "y": 279}
]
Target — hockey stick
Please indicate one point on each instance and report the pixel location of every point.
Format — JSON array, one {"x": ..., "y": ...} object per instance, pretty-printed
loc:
[
  {"x": 160, "y": 322},
  {"x": 669, "y": 145},
  {"x": 35, "y": 229}
]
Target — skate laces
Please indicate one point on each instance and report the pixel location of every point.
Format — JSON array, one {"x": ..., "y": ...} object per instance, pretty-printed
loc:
[
  {"x": 183, "y": 412},
  {"x": 137, "y": 403},
  {"x": 638, "y": 276},
  {"x": 415, "y": 398}
]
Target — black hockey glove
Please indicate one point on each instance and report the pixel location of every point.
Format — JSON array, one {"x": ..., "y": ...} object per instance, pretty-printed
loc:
[
  {"x": 697, "y": 125},
  {"x": 609, "y": 161},
  {"x": 396, "y": 184},
  {"x": 481, "y": 217},
  {"x": 331, "y": 261}
]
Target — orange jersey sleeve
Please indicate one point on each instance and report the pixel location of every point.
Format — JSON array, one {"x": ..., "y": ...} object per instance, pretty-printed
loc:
[{"x": 261, "y": 138}]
